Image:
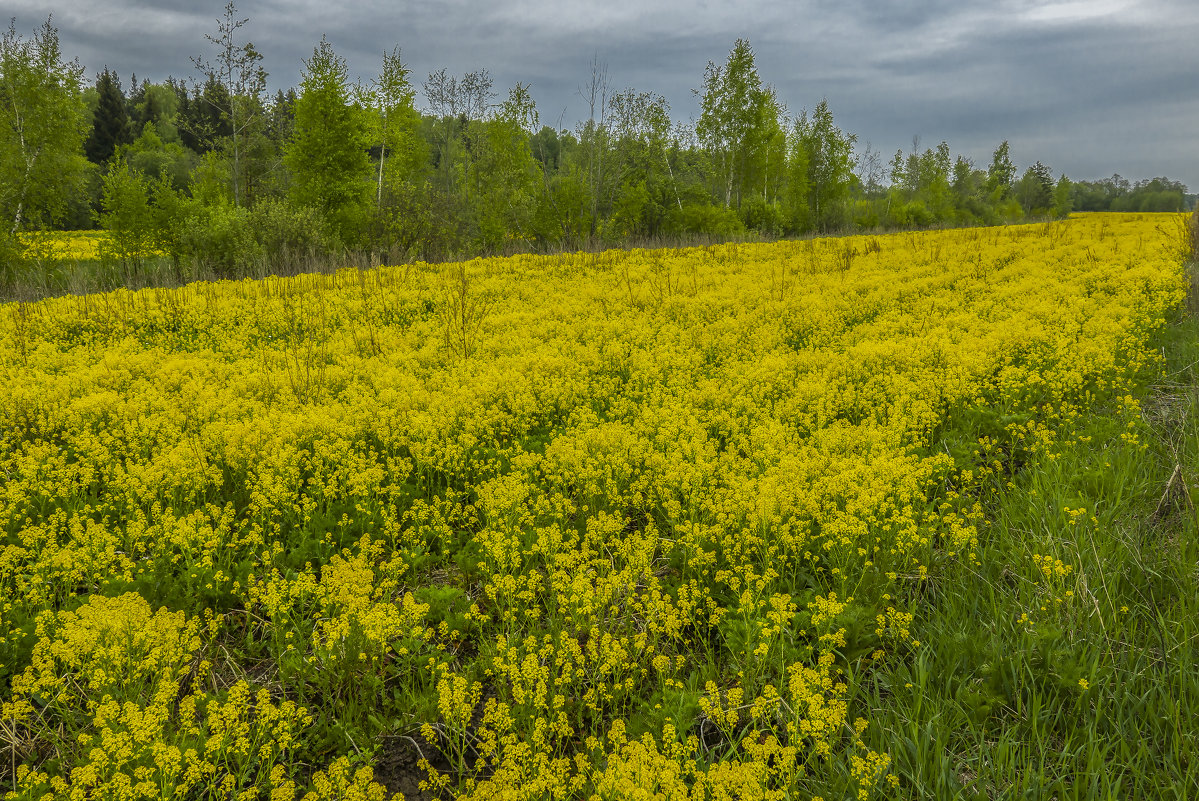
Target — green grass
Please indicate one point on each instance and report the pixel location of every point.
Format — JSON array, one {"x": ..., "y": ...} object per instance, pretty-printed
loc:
[{"x": 1098, "y": 696}]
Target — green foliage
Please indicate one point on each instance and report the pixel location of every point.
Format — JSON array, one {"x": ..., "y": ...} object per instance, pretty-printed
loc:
[
  {"x": 219, "y": 240},
  {"x": 921, "y": 188},
  {"x": 1062, "y": 202},
  {"x": 504, "y": 173},
  {"x": 797, "y": 210},
  {"x": 1034, "y": 191},
  {"x": 1002, "y": 173},
  {"x": 43, "y": 123},
  {"x": 288, "y": 236},
  {"x": 643, "y": 185},
  {"x": 455, "y": 103},
  {"x": 169, "y": 209},
  {"x": 395, "y": 126},
  {"x": 409, "y": 224},
  {"x": 910, "y": 214},
  {"x": 155, "y": 157},
  {"x": 1078, "y": 685},
  {"x": 238, "y": 106},
  {"x": 827, "y": 154},
  {"x": 155, "y": 104},
  {"x": 126, "y": 215},
  {"x": 560, "y": 218},
  {"x": 203, "y": 122},
  {"x": 707, "y": 219},
  {"x": 1118, "y": 194},
  {"x": 758, "y": 215},
  {"x": 1193, "y": 234},
  {"x": 448, "y": 605},
  {"x": 11, "y": 261},
  {"x": 738, "y": 123},
  {"x": 209, "y": 181},
  {"x": 327, "y": 155},
  {"x": 344, "y": 166},
  {"x": 628, "y": 209},
  {"x": 970, "y": 197}
]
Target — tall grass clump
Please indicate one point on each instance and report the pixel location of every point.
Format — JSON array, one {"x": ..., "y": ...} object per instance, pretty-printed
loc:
[{"x": 1194, "y": 234}]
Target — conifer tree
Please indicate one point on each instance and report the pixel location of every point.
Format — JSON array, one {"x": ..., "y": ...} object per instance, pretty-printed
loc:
[
  {"x": 328, "y": 152},
  {"x": 110, "y": 123}
]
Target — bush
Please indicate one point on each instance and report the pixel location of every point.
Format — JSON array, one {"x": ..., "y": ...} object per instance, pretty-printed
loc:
[
  {"x": 758, "y": 215},
  {"x": 715, "y": 221},
  {"x": 11, "y": 260},
  {"x": 227, "y": 241},
  {"x": 560, "y": 219},
  {"x": 289, "y": 237},
  {"x": 418, "y": 222},
  {"x": 126, "y": 216},
  {"x": 913, "y": 214},
  {"x": 219, "y": 240}
]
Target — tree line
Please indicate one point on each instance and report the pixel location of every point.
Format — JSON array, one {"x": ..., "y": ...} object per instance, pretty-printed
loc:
[{"x": 217, "y": 176}]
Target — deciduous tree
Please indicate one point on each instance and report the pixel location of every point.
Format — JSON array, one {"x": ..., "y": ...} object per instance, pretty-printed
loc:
[
  {"x": 738, "y": 119},
  {"x": 238, "y": 70},
  {"x": 43, "y": 124},
  {"x": 396, "y": 123},
  {"x": 1034, "y": 190},
  {"x": 828, "y": 153},
  {"x": 1002, "y": 173}
]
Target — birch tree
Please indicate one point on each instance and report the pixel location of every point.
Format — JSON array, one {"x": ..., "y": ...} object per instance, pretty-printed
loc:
[
  {"x": 392, "y": 97},
  {"x": 738, "y": 122},
  {"x": 827, "y": 153},
  {"x": 44, "y": 121},
  {"x": 238, "y": 70}
]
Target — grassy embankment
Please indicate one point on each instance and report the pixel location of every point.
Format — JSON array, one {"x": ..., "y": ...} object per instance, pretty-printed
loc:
[{"x": 1084, "y": 685}]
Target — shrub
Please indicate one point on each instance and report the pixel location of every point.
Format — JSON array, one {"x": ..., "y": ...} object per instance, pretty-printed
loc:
[
  {"x": 289, "y": 237},
  {"x": 913, "y": 214},
  {"x": 219, "y": 240},
  {"x": 126, "y": 216},
  {"x": 715, "y": 221},
  {"x": 758, "y": 215},
  {"x": 10, "y": 260}
]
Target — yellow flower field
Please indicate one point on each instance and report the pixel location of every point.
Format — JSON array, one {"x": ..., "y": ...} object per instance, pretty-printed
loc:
[
  {"x": 603, "y": 525},
  {"x": 65, "y": 245}
]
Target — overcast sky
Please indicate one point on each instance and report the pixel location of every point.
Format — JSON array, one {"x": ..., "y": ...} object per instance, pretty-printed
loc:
[{"x": 1090, "y": 87}]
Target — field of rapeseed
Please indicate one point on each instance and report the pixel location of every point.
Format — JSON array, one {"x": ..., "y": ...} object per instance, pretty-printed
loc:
[{"x": 614, "y": 525}]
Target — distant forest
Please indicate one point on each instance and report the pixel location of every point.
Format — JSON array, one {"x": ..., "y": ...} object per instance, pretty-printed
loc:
[{"x": 215, "y": 174}]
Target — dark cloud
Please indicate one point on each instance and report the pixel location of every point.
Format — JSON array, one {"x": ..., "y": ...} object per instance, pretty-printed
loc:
[{"x": 1090, "y": 87}]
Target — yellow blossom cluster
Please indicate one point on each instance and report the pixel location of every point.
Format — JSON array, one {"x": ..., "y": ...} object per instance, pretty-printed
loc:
[
  {"x": 606, "y": 525},
  {"x": 1052, "y": 567},
  {"x": 119, "y": 685}
]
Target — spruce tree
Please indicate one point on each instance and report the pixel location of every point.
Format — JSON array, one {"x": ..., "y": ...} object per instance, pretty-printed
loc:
[
  {"x": 110, "y": 124},
  {"x": 328, "y": 151}
]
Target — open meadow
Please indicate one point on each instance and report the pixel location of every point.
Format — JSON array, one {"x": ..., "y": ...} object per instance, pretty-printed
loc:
[{"x": 899, "y": 516}]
